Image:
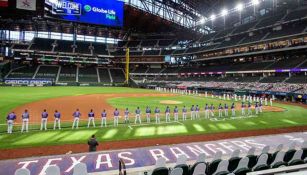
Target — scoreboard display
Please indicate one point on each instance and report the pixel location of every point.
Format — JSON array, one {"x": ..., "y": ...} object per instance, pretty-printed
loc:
[{"x": 100, "y": 12}]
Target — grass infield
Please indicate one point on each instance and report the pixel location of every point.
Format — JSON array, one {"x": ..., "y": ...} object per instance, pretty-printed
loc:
[{"x": 11, "y": 97}]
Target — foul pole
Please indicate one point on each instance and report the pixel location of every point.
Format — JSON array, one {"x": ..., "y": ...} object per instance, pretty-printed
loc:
[{"x": 127, "y": 65}]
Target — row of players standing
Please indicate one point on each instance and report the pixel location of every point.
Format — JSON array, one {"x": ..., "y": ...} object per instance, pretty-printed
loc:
[{"x": 194, "y": 112}]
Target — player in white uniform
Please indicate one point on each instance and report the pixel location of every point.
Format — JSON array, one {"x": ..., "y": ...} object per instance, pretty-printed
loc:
[
  {"x": 104, "y": 118},
  {"x": 126, "y": 116},
  {"x": 167, "y": 114},
  {"x": 148, "y": 112},
  {"x": 176, "y": 113},
  {"x": 91, "y": 118},
  {"x": 157, "y": 115},
  {"x": 76, "y": 116},
  {"x": 25, "y": 121},
  {"x": 184, "y": 113},
  {"x": 137, "y": 116}
]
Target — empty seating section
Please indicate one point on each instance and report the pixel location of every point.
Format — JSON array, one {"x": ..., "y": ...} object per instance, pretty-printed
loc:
[
  {"x": 149, "y": 43},
  {"x": 23, "y": 72},
  {"x": 286, "y": 63},
  {"x": 256, "y": 37},
  {"x": 21, "y": 46},
  {"x": 244, "y": 27},
  {"x": 236, "y": 163},
  {"x": 133, "y": 43},
  {"x": 152, "y": 52},
  {"x": 100, "y": 49},
  {"x": 224, "y": 33},
  {"x": 136, "y": 53},
  {"x": 42, "y": 44},
  {"x": 122, "y": 43},
  {"x": 273, "y": 79},
  {"x": 167, "y": 52},
  {"x": 287, "y": 30},
  {"x": 63, "y": 46},
  {"x": 171, "y": 70},
  {"x": 88, "y": 75},
  {"x": 207, "y": 37},
  {"x": 179, "y": 51},
  {"x": 297, "y": 79},
  {"x": 47, "y": 72},
  {"x": 270, "y": 20},
  {"x": 297, "y": 14},
  {"x": 68, "y": 74},
  {"x": 234, "y": 40},
  {"x": 118, "y": 75},
  {"x": 140, "y": 70},
  {"x": 257, "y": 65},
  {"x": 154, "y": 70},
  {"x": 119, "y": 53},
  {"x": 104, "y": 75},
  {"x": 83, "y": 47},
  {"x": 193, "y": 49},
  {"x": 165, "y": 43}
]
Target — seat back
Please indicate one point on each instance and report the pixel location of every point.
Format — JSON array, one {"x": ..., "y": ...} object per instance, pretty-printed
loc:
[
  {"x": 262, "y": 160},
  {"x": 265, "y": 149},
  {"x": 22, "y": 171},
  {"x": 177, "y": 171},
  {"x": 200, "y": 169},
  {"x": 304, "y": 145},
  {"x": 217, "y": 156},
  {"x": 160, "y": 162},
  {"x": 80, "y": 169},
  {"x": 53, "y": 170},
  {"x": 184, "y": 167},
  {"x": 235, "y": 153},
  {"x": 201, "y": 157},
  {"x": 279, "y": 147},
  {"x": 251, "y": 151},
  {"x": 182, "y": 159},
  {"x": 160, "y": 171},
  {"x": 279, "y": 157},
  {"x": 292, "y": 145},
  {"x": 243, "y": 163},
  {"x": 297, "y": 155},
  {"x": 222, "y": 167}
]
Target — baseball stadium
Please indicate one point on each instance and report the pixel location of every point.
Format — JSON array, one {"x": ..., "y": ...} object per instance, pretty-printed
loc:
[{"x": 153, "y": 87}]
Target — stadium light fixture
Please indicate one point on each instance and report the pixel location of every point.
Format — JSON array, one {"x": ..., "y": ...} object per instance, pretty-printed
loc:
[
  {"x": 255, "y": 2},
  {"x": 202, "y": 20},
  {"x": 239, "y": 7},
  {"x": 224, "y": 12},
  {"x": 212, "y": 17}
]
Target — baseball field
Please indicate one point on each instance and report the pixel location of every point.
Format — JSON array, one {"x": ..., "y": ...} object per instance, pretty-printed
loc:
[{"x": 67, "y": 99}]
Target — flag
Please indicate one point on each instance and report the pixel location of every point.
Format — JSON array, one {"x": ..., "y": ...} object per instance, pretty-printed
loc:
[
  {"x": 4, "y": 3},
  {"x": 26, "y": 4}
]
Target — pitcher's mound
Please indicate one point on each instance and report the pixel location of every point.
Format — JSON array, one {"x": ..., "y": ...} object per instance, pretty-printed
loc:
[{"x": 170, "y": 102}]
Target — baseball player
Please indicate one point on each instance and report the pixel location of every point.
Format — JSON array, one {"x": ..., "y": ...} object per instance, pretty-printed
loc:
[
  {"x": 197, "y": 112},
  {"x": 137, "y": 115},
  {"x": 256, "y": 108},
  {"x": 116, "y": 116},
  {"x": 127, "y": 116},
  {"x": 76, "y": 116},
  {"x": 192, "y": 112},
  {"x": 104, "y": 118},
  {"x": 176, "y": 113},
  {"x": 207, "y": 112},
  {"x": 211, "y": 110},
  {"x": 25, "y": 121},
  {"x": 233, "y": 110},
  {"x": 167, "y": 114},
  {"x": 91, "y": 118},
  {"x": 271, "y": 101},
  {"x": 226, "y": 110},
  {"x": 184, "y": 113},
  {"x": 148, "y": 112},
  {"x": 242, "y": 109},
  {"x": 220, "y": 110},
  {"x": 265, "y": 101},
  {"x": 260, "y": 107},
  {"x": 11, "y": 117},
  {"x": 157, "y": 115},
  {"x": 44, "y": 120},
  {"x": 57, "y": 119},
  {"x": 249, "y": 109}
]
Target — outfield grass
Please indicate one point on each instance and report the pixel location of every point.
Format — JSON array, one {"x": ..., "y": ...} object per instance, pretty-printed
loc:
[{"x": 12, "y": 97}]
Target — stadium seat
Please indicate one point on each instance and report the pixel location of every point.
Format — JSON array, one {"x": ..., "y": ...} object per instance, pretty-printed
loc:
[
  {"x": 22, "y": 171},
  {"x": 212, "y": 166},
  {"x": 290, "y": 152},
  {"x": 200, "y": 160},
  {"x": 252, "y": 157},
  {"x": 80, "y": 169},
  {"x": 304, "y": 148},
  {"x": 242, "y": 168},
  {"x": 177, "y": 171},
  {"x": 234, "y": 160},
  {"x": 160, "y": 167},
  {"x": 297, "y": 158},
  {"x": 53, "y": 170},
  {"x": 273, "y": 156},
  {"x": 200, "y": 169},
  {"x": 261, "y": 163},
  {"x": 278, "y": 160},
  {"x": 182, "y": 164},
  {"x": 222, "y": 168},
  {"x": 265, "y": 149}
]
